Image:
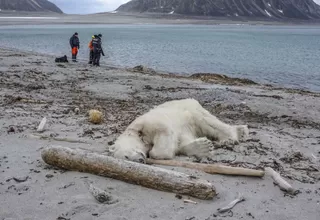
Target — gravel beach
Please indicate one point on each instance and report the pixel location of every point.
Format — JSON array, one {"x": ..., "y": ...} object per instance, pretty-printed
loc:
[{"x": 284, "y": 134}]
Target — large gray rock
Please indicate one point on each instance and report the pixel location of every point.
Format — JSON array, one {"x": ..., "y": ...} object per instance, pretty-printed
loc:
[
  {"x": 29, "y": 5},
  {"x": 276, "y": 9}
]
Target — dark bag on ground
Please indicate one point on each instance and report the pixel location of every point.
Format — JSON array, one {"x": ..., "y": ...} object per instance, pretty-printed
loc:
[{"x": 63, "y": 59}]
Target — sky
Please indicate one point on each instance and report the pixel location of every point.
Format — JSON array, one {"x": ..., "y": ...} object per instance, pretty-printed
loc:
[
  {"x": 88, "y": 6},
  {"x": 93, "y": 6}
]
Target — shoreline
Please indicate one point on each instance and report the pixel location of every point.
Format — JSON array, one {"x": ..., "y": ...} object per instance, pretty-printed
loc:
[
  {"x": 219, "y": 78},
  {"x": 284, "y": 134},
  {"x": 136, "y": 18}
]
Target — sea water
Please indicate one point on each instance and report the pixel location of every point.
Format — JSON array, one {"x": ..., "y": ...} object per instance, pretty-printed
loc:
[{"x": 282, "y": 55}]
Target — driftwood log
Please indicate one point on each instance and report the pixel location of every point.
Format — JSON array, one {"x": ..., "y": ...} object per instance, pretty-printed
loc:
[
  {"x": 282, "y": 183},
  {"x": 210, "y": 168},
  {"x": 140, "y": 174}
]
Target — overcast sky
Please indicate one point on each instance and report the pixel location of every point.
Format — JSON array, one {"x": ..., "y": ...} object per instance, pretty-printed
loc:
[
  {"x": 93, "y": 6},
  {"x": 88, "y": 6}
]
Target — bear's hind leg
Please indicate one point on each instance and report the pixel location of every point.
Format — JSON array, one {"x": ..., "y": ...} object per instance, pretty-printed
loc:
[{"x": 199, "y": 148}]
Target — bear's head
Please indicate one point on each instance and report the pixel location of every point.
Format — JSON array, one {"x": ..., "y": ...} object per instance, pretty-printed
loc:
[{"x": 129, "y": 148}]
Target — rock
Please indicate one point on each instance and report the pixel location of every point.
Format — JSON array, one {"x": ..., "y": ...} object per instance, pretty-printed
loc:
[
  {"x": 77, "y": 111},
  {"x": 11, "y": 130},
  {"x": 102, "y": 196},
  {"x": 139, "y": 68},
  {"x": 49, "y": 176},
  {"x": 147, "y": 87}
]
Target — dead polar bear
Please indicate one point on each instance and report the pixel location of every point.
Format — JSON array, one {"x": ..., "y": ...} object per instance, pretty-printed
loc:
[{"x": 175, "y": 127}]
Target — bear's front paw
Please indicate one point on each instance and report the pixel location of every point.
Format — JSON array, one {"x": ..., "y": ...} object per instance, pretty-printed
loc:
[
  {"x": 242, "y": 132},
  {"x": 228, "y": 142}
]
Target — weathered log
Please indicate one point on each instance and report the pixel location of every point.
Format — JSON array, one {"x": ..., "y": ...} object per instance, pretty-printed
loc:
[
  {"x": 131, "y": 172},
  {"x": 282, "y": 183},
  {"x": 210, "y": 168}
]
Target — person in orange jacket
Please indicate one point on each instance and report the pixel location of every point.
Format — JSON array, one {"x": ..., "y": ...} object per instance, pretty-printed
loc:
[
  {"x": 91, "y": 49},
  {"x": 75, "y": 46}
]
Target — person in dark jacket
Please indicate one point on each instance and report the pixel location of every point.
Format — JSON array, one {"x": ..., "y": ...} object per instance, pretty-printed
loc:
[
  {"x": 75, "y": 46},
  {"x": 97, "y": 50}
]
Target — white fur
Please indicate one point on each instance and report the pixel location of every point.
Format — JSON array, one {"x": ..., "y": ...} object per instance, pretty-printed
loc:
[{"x": 175, "y": 127}]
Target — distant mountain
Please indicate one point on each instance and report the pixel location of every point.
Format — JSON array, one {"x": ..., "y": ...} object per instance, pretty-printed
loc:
[
  {"x": 277, "y": 9},
  {"x": 29, "y": 5}
]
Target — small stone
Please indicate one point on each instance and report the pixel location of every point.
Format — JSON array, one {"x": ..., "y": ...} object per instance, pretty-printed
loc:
[
  {"x": 49, "y": 176},
  {"x": 147, "y": 87},
  {"x": 76, "y": 111},
  {"x": 11, "y": 130},
  {"x": 102, "y": 196},
  {"x": 66, "y": 111}
]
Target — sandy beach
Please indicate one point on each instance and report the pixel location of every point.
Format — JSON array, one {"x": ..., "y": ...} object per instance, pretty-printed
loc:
[{"x": 284, "y": 134}]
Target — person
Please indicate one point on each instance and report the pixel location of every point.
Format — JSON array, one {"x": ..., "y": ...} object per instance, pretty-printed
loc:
[
  {"x": 91, "y": 49},
  {"x": 97, "y": 50},
  {"x": 75, "y": 46}
]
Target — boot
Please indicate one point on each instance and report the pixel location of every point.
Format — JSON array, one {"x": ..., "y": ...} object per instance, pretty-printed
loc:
[{"x": 74, "y": 58}]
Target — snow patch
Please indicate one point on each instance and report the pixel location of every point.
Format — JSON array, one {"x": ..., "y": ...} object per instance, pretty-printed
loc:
[
  {"x": 236, "y": 14},
  {"x": 269, "y": 4},
  {"x": 281, "y": 11},
  {"x": 268, "y": 13},
  {"x": 171, "y": 12},
  {"x": 114, "y": 12},
  {"x": 36, "y": 3},
  {"x": 317, "y": 2}
]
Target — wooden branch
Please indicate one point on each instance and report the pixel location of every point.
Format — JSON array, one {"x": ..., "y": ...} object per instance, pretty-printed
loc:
[
  {"x": 210, "y": 168},
  {"x": 42, "y": 125},
  {"x": 278, "y": 180},
  {"x": 131, "y": 172},
  {"x": 232, "y": 204},
  {"x": 69, "y": 140}
]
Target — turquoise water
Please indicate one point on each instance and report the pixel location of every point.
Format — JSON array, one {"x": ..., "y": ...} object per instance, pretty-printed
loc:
[{"x": 282, "y": 55}]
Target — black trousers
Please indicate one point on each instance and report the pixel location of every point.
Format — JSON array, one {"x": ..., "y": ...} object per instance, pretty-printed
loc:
[
  {"x": 96, "y": 58},
  {"x": 91, "y": 55}
]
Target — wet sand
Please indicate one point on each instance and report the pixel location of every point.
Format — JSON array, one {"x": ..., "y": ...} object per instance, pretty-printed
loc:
[{"x": 284, "y": 134}]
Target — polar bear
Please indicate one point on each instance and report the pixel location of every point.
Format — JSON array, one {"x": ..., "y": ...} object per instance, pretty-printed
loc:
[{"x": 179, "y": 127}]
